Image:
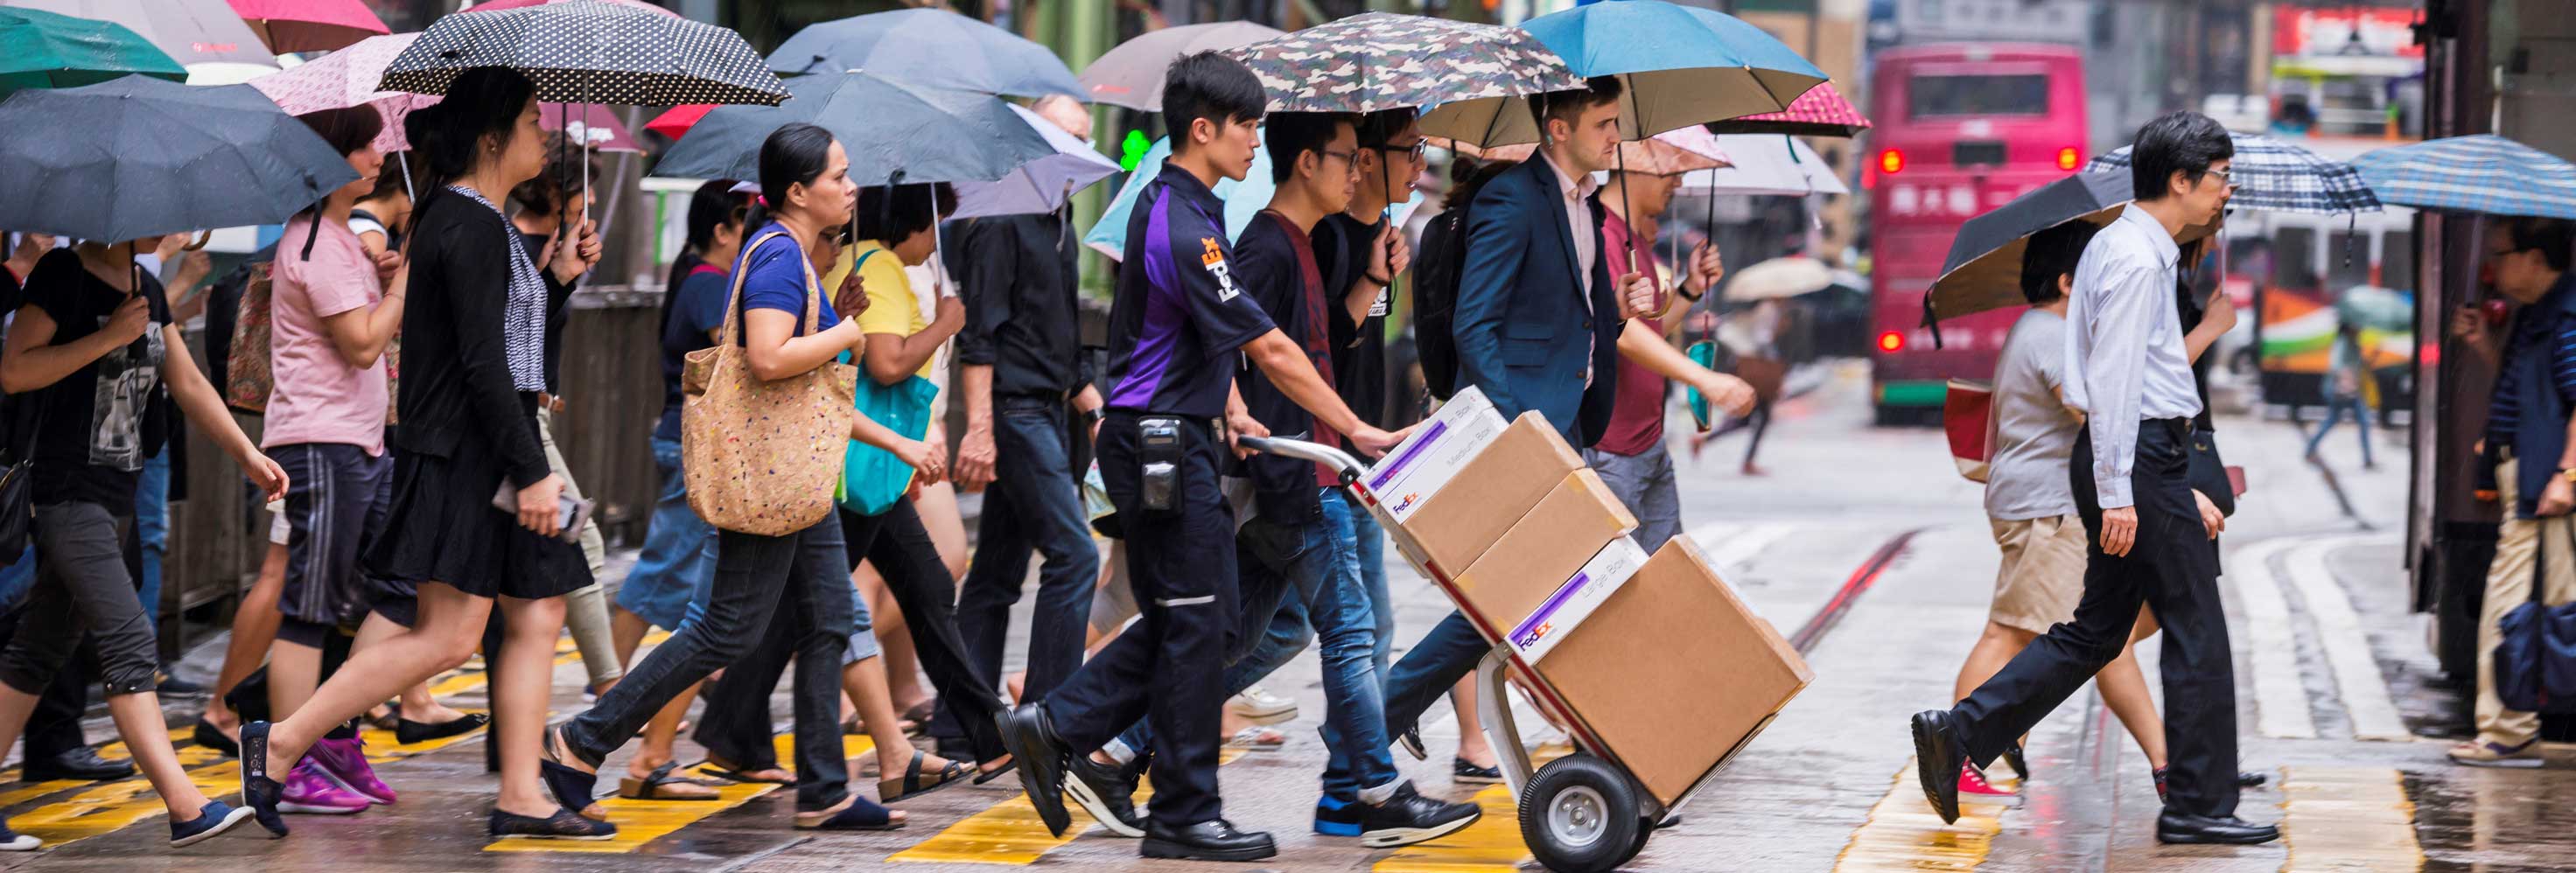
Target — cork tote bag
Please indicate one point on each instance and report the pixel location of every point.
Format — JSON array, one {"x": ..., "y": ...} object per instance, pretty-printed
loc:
[{"x": 763, "y": 457}]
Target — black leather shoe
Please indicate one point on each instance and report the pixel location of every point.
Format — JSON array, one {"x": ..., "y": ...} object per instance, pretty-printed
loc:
[
  {"x": 1938, "y": 754},
  {"x": 1040, "y": 758},
  {"x": 82, "y": 764},
  {"x": 1108, "y": 793},
  {"x": 1207, "y": 841},
  {"x": 2177, "y": 827},
  {"x": 2020, "y": 763}
]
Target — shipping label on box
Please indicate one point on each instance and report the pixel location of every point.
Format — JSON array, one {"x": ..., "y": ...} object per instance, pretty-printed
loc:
[
  {"x": 1574, "y": 601},
  {"x": 1435, "y": 452}
]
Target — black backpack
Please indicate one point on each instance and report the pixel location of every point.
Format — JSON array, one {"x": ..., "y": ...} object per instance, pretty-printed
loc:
[{"x": 1435, "y": 299}]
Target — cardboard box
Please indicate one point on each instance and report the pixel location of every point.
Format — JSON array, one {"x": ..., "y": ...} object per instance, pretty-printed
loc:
[
  {"x": 1532, "y": 637},
  {"x": 1671, "y": 671},
  {"x": 1474, "y": 508},
  {"x": 1550, "y": 544},
  {"x": 1435, "y": 453}
]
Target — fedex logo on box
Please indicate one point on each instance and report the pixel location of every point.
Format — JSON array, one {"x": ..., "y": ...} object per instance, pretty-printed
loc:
[
  {"x": 1436, "y": 451},
  {"x": 1576, "y": 599}
]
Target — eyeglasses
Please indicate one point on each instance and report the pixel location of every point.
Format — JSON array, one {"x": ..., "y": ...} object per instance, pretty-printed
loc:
[
  {"x": 2226, "y": 176},
  {"x": 1418, "y": 149},
  {"x": 1348, "y": 158}
]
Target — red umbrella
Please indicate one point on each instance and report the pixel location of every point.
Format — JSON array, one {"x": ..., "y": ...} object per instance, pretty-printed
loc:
[
  {"x": 676, "y": 121},
  {"x": 491, "y": 5},
  {"x": 1821, "y": 111},
  {"x": 597, "y": 127},
  {"x": 309, "y": 25}
]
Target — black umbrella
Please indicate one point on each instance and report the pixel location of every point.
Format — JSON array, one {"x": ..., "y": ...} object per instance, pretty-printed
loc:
[
  {"x": 140, "y": 156},
  {"x": 591, "y": 52},
  {"x": 1983, "y": 271},
  {"x": 894, "y": 133}
]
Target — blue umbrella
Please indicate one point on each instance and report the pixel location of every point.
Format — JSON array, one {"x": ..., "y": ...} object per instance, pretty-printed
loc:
[
  {"x": 1681, "y": 65},
  {"x": 1243, "y": 200},
  {"x": 2481, "y": 173},
  {"x": 894, "y": 133},
  {"x": 930, "y": 47},
  {"x": 140, "y": 156}
]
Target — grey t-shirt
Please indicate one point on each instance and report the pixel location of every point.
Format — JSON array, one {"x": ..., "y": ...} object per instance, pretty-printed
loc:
[{"x": 2034, "y": 438}]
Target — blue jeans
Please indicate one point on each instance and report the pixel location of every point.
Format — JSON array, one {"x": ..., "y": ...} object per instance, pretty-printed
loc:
[
  {"x": 1316, "y": 559},
  {"x": 1369, "y": 552},
  {"x": 1035, "y": 503},
  {"x": 152, "y": 532},
  {"x": 1445, "y": 655},
  {"x": 2336, "y": 408},
  {"x": 679, "y": 549}
]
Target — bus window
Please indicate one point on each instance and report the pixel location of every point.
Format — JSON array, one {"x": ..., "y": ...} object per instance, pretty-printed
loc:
[
  {"x": 2397, "y": 260},
  {"x": 2294, "y": 257},
  {"x": 1933, "y": 96},
  {"x": 2347, "y": 259}
]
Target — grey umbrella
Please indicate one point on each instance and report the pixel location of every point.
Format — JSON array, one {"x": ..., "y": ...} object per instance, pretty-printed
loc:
[
  {"x": 894, "y": 132},
  {"x": 140, "y": 156},
  {"x": 1131, "y": 75},
  {"x": 930, "y": 47}
]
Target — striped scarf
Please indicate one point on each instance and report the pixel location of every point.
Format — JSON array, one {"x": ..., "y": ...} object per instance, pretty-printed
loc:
[{"x": 523, "y": 323}]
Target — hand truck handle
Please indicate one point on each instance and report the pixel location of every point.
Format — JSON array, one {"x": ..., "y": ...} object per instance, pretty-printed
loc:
[{"x": 1341, "y": 462}]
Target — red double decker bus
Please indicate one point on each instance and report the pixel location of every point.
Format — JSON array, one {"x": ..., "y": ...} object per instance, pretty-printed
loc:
[{"x": 1961, "y": 129}]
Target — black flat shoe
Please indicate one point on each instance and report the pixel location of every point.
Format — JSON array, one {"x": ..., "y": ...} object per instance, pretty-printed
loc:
[
  {"x": 2177, "y": 827},
  {"x": 1040, "y": 758},
  {"x": 212, "y": 737},
  {"x": 571, "y": 787},
  {"x": 408, "y": 732},
  {"x": 565, "y": 824},
  {"x": 1464, "y": 772},
  {"x": 259, "y": 792},
  {"x": 1937, "y": 758},
  {"x": 2020, "y": 763},
  {"x": 81, "y": 764},
  {"x": 1207, "y": 841}
]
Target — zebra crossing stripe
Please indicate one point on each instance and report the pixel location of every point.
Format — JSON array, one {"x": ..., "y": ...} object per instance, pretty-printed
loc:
[{"x": 2282, "y": 704}]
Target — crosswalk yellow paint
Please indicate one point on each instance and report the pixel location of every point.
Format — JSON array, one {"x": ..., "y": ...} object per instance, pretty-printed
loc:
[
  {"x": 1903, "y": 833},
  {"x": 2348, "y": 818},
  {"x": 1010, "y": 832},
  {"x": 643, "y": 821},
  {"x": 1492, "y": 845}
]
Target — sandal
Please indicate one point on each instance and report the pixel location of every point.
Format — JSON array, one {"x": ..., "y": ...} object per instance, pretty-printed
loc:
[
  {"x": 851, "y": 814},
  {"x": 725, "y": 770},
  {"x": 1257, "y": 739},
  {"x": 663, "y": 784},
  {"x": 912, "y": 784}
]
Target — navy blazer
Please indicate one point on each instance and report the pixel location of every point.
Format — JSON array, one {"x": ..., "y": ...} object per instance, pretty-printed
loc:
[{"x": 1522, "y": 322}]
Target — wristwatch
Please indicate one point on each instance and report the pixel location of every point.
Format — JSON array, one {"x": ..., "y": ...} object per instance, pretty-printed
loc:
[{"x": 1094, "y": 416}]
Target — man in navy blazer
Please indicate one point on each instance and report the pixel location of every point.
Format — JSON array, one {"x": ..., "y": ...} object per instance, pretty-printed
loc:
[{"x": 1537, "y": 327}]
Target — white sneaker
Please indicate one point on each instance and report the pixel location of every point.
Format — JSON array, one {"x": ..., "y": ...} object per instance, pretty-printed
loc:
[{"x": 1261, "y": 706}]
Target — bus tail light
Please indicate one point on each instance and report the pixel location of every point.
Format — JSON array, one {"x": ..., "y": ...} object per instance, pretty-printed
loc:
[
  {"x": 1891, "y": 161},
  {"x": 2066, "y": 158},
  {"x": 1891, "y": 341}
]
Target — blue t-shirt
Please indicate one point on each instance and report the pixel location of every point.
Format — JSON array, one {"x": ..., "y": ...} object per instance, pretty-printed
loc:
[
  {"x": 1179, "y": 312},
  {"x": 697, "y": 308},
  {"x": 774, "y": 278}
]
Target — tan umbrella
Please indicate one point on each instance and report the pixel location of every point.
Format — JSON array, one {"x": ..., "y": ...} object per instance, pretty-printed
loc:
[
  {"x": 1665, "y": 154},
  {"x": 1779, "y": 278}
]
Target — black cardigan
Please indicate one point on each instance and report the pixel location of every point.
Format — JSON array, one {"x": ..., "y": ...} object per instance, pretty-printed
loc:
[{"x": 457, "y": 399}]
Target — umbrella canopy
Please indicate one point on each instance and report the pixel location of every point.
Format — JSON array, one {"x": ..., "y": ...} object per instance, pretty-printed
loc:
[
  {"x": 1766, "y": 164},
  {"x": 349, "y": 77},
  {"x": 591, "y": 124},
  {"x": 930, "y": 47},
  {"x": 925, "y": 134},
  {"x": 1131, "y": 75},
  {"x": 1243, "y": 200},
  {"x": 1780, "y": 277},
  {"x": 2481, "y": 173},
  {"x": 1681, "y": 65},
  {"x": 1821, "y": 111},
  {"x": 309, "y": 25},
  {"x": 589, "y": 51},
  {"x": 141, "y": 156},
  {"x": 500, "y": 5},
  {"x": 40, "y": 49},
  {"x": 1983, "y": 270},
  {"x": 1669, "y": 153},
  {"x": 191, "y": 32},
  {"x": 676, "y": 121},
  {"x": 1382, "y": 60},
  {"x": 1042, "y": 185},
  {"x": 2274, "y": 175}
]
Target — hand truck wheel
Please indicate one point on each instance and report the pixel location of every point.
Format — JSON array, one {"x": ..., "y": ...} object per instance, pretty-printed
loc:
[
  {"x": 1645, "y": 829},
  {"x": 1579, "y": 814}
]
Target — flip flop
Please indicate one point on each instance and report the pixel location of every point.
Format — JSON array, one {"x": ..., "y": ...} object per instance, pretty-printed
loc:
[
  {"x": 911, "y": 785},
  {"x": 656, "y": 786},
  {"x": 727, "y": 771}
]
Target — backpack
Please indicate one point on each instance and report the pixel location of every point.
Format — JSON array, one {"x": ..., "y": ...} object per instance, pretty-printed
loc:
[{"x": 1435, "y": 299}]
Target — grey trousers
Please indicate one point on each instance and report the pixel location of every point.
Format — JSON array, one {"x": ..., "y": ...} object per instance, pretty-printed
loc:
[{"x": 81, "y": 586}]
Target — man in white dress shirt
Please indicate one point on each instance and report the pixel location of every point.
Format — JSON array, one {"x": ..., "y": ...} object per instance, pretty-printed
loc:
[{"x": 2128, "y": 372}]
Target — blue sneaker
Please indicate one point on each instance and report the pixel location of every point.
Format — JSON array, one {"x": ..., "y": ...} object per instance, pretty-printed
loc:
[
  {"x": 217, "y": 817},
  {"x": 1338, "y": 818}
]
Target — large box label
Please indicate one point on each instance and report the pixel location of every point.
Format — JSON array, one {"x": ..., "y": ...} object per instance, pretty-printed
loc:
[
  {"x": 1557, "y": 617},
  {"x": 1435, "y": 453}
]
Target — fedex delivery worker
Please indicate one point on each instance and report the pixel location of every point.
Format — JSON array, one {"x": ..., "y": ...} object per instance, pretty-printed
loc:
[{"x": 1177, "y": 321}]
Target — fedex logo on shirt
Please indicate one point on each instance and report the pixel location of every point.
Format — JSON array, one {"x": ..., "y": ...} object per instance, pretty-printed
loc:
[{"x": 1214, "y": 260}]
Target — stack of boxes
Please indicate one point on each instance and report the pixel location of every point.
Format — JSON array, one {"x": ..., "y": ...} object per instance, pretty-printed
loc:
[{"x": 1651, "y": 654}]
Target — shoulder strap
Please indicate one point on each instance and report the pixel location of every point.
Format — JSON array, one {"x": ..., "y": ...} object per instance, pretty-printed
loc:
[{"x": 733, "y": 299}]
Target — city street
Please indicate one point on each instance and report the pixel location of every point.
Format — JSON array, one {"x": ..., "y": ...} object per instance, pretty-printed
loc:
[{"x": 1861, "y": 544}]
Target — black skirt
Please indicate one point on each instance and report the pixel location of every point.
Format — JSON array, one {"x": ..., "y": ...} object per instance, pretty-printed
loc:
[{"x": 443, "y": 528}]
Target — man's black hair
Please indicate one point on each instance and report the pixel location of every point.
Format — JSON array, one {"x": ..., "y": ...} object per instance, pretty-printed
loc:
[
  {"x": 2186, "y": 142},
  {"x": 1569, "y": 105},
  {"x": 1210, "y": 86},
  {"x": 1289, "y": 135},
  {"x": 1376, "y": 129},
  {"x": 2049, "y": 254},
  {"x": 2552, "y": 237}
]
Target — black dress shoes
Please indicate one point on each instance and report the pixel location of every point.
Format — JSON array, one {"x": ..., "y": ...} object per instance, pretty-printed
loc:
[
  {"x": 2178, "y": 827},
  {"x": 1207, "y": 841},
  {"x": 1938, "y": 754},
  {"x": 82, "y": 764},
  {"x": 1040, "y": 758}
]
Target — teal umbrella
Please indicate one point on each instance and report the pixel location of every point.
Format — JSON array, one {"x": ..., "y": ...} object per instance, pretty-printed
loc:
[
  {"x": 40, "y": 49},
  {"x": 1681, "y": 66}
]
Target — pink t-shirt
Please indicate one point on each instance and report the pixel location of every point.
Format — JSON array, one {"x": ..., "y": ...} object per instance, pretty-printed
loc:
[{"x": 318, "y": 397}]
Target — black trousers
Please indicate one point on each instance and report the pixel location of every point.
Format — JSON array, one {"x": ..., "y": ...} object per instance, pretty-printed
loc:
[
  {"x": 900, "y": 547},
  {"x": 1168, "y": 667},
  {"x": 2171, "y": 568},
  {"x": 735, "y": 723}
]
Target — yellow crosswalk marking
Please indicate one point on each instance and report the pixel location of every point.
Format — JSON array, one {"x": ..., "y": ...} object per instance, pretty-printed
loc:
[
  {"x": 1903, "y": 833},
  {"x": 643, "y": 821},
  {"x": 1491, "y": 845},
  {"x": 2348, "y": 818},
  {"x": 1009, "y": 832}
]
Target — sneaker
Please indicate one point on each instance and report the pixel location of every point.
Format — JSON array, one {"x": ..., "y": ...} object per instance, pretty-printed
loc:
[
  {"x": 1973, "y": 788},
  {"x": 13, "y": 841},
  {"x": 1408, "y": 818},
  {"x": 312, "y": 792},
  {"x": 2493, "y": 754},
  {"x": 344, "y": 762},
  {"x": 214, "y": 818},
  {"x": 1108, "y": 793},
  {"x": 1339, "y": 818},
  {"x": 1260, "y": 705}
]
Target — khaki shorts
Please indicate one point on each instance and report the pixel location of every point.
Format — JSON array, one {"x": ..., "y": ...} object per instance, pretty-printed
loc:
[{"x": 2043, "y": 572}]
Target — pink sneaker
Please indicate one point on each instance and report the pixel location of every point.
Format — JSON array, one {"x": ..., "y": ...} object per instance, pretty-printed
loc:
[
  {"x": 1973, "y": 788},
  {"x": 345, "y": 762},
  {"x": 309, "y": 790}
]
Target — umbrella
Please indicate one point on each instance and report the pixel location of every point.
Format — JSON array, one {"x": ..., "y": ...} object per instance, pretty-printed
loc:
[
  {"x": 2480, "y": 173},
  {"x": 1243, "y": 200},
  {"x": 1042, "y": 185},
  {"x": 1780, "y": 277},
  {"x": 591, "y": 51},
  {"x": 140, "y": 156},
  {"x": 597, "y": 128},
  {"x": 676, "y": 121},
  {"x": 40, "y": 49},
  {"x": 349, "y": 77},
  {"x": 1766, "y": 164},
  {"x": 192, "y": 32},
  {"x": 1821, "y": 111},
  {"x": 1983, "y": 271},
  {"x": 309, "y": 25},
  {"x": 1681, "y": 65},
  {"x": 1666, "y": 154},
  {"x": 894, "y": 133},
  {"x": 930, "y": 47},
  {"x": 2274, "y": 175},
  {"x": 500, "y": 5},
  {"x": 1382, "y": 60},
  {"x": 1131, "y": 75}
]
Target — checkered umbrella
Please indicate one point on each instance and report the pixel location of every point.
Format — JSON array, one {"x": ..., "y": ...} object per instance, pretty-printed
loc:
[
  {"x": 2277, "y": 176},
  {"x": 2482, "y": 173},
  {"x": 590, "y": 51}
]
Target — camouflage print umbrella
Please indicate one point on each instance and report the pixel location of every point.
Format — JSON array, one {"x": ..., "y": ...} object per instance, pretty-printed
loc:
[{"x": 1382, "y": 60}]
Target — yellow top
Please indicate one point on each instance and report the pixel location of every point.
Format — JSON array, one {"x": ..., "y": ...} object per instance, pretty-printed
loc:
[{"x": 892, "y": 306}]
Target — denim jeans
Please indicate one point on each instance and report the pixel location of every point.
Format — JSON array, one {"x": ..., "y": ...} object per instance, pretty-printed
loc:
[
  {"x": 81, "y": 587},
  {"x": 1034, "y": 503},
  {"x": 2336, "y": 408},
  {"x": 1369, "y": 551},
  {"x": 1314, "y": 559},
  {"x": 679, "y": 549},
  {"x": 1445, "y": 655},
  {"x": 800, "y": 584},
  {"x": 152, "y": 533}
]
